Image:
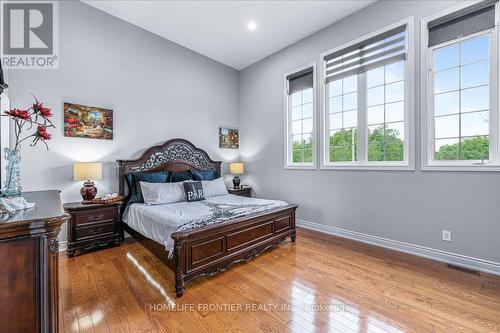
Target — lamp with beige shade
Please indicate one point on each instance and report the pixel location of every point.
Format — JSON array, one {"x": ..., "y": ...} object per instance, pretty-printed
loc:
[
  {"x": 87, "y": 171},
  {"x": 236, "y": 169}
]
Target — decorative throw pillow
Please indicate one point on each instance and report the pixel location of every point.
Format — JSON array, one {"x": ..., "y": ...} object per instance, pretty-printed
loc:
[
  {"x": 162, "y": 193},
  {"x": 194, "y": 191},
  {"x": 212, "y": 188},
  {"x": 205, "y": 174},
  {"x": 181, "y": 176},
  {"x": 134, "y": 178}
]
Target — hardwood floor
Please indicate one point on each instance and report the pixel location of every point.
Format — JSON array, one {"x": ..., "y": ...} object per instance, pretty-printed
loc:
[{"x": 318, "y": 284}]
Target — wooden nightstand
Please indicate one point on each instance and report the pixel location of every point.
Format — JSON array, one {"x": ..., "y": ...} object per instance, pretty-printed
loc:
[
  {"x": 93, "y": 226},
  {"x": 245, "y": 191}
]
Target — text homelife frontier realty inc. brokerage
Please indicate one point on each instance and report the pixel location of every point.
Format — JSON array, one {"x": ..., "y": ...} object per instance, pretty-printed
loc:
[{"x": 229, "y": 307}]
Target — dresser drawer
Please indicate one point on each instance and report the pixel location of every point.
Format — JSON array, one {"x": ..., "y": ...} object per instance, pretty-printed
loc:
[
  {"x": 95, "y": 231},
  {"x": 95, "y": 216}
]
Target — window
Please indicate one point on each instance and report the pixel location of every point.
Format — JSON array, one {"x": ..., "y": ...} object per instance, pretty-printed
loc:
[
  {"x": 461, "y": 128},
  {"x": 367, "y": 104},
  {"x": 300, "y": 118}
]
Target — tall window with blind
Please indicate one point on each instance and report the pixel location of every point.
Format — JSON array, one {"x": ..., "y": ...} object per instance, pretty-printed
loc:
[
  {"x": 366, "y": 120},
  {"x": 300, "y": 118},
  {"x": 461, "y": 119}
]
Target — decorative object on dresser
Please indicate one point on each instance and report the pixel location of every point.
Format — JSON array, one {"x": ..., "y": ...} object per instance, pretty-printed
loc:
[
  {"x": 212, "y": 248},
  {"x": 244, "y": 191},
  {"x": 37, "y": 116},
  {"x": 229, "y": 138},
  {"x": 83, "y": 121},
  {"x": 236, "y": 169},
  {"x": 93, "y": 226},
  {"x": 108, "y": 198},
  {"x": 29, "y": 249},
  {"x": 87, "y": 171}
]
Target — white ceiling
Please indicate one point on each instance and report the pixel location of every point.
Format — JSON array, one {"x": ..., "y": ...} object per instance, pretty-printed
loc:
[{"x": 218, "y": 29}]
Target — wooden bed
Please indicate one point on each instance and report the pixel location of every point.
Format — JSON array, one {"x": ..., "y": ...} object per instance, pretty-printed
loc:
[{"x": 214, "y": 248}]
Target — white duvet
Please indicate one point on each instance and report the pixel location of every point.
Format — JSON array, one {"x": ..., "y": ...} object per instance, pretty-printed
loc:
[{"x": 158, "y": 222}]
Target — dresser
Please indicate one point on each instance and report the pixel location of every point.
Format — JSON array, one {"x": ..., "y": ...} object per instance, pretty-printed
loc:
[
  {"x": 93, "y": 226},
  {"x": 29, "y": 265}
]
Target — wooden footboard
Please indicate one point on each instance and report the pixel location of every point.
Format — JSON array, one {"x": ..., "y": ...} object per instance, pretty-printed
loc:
[{"x": 214, "y": 249}]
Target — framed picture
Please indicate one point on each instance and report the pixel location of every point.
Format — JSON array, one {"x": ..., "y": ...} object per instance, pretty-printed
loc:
[
  {"x": 229, "y": 138},
  {"x": 82, "y": 121}
]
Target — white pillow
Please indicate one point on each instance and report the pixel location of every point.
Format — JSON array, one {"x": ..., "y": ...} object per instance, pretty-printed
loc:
[
  {"x": 162, "y": 193},
  {"x": 212, "y": 188}
]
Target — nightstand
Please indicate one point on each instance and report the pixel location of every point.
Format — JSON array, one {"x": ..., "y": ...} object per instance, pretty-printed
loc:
[
  {"x": 93, "y": 226},
  {"x": 245, "y": 191}
]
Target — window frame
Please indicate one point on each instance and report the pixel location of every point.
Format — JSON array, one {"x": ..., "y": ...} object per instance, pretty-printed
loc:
[
  {"x": 362, "y": 162},
  {"x": 288, "y": 153},
  {"x": 427, "y": 103}
]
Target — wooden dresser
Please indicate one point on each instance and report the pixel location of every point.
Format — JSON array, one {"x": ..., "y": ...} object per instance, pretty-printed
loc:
[{"x": 29, "y": 265}]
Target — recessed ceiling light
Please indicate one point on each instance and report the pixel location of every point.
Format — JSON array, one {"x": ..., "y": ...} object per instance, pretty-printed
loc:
[{"x": 252, "y": 26}]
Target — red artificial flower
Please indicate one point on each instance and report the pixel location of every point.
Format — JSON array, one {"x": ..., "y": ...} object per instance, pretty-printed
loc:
[
  {"x": 18, "y": 113},
  {"x": 39, "y": 108},
  {"x": 43, "y": 134}
]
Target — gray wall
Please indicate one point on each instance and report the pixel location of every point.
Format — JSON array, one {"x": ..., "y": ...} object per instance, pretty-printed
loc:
[
  {"x": 157, "y": 89},
  {"x": 406, "y": 206}
]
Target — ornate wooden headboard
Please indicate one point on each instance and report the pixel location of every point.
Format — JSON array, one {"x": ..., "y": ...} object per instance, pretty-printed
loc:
[{"x": 176, "y": 155}]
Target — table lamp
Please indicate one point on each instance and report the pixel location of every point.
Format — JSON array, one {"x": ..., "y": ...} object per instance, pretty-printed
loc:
[
  {"x": 88, "y": 172},
  {"x": 236, "y": 169}
]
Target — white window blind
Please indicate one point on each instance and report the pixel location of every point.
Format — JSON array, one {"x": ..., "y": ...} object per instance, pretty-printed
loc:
[
  {"x": 464, "y": 22},
  {"x": 381, "y": 50}
]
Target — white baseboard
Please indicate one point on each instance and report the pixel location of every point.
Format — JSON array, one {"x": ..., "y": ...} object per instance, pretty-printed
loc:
[
  {"x": 421, "y": 251},
  {"x": 63, "y": 245}
]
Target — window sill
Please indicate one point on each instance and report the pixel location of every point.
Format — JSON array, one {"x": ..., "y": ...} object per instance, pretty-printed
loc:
[
  {"x": 461, "y": 168},
  {"x": 398, "y": 167},
  {"x": 300, "y": 167}
]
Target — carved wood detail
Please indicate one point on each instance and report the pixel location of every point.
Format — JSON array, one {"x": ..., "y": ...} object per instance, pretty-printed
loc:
[
  {"x": 54, "y": 245},
  {"x": 175, "y": 155}
]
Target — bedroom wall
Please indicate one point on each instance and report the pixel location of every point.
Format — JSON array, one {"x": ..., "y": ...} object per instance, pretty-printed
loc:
[
  {"x": 157, "y": 89},
  {"x": 405, "y": 206}
]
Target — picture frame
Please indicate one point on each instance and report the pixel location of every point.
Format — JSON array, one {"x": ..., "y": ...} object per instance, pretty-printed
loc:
[
  {"x": 229, "y": 138},
  {"x": 81, "y": 121}
]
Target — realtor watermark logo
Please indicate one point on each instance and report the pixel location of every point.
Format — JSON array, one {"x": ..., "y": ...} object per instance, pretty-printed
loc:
[{"x": 29, "y": 34}]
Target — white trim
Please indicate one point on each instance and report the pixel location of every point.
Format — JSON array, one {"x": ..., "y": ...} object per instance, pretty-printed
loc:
[
  {"x": 63, "y": 245},
  {"x": 287, "y": 136},
  {"x": 409, "y": 162},
  {"x": 427, "y": 120},
  {"x": 482, "y": 265}
]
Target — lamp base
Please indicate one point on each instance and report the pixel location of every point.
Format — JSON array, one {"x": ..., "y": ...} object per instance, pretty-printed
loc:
[
  {"x": 236, "y": 182},
  {"x": 88, "y": 192}
]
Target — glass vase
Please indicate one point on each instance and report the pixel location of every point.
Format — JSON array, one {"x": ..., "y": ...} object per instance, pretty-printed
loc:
[{"x": 12, "y": 184}]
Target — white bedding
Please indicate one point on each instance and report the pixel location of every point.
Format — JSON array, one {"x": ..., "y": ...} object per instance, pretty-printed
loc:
[{"x": 158, "y": 222}]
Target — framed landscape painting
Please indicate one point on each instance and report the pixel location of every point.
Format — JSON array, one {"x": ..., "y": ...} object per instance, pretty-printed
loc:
[
  {"x": 82, "y": 121},
  {"x": 229, "y": 138}
]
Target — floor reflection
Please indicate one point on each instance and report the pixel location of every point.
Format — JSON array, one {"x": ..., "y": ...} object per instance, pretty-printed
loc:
[
  {"x": 302, "y": 301},
  {"x": 376, "y": 326},
  {"x": 87, "y": 322},
  {"x": 150, "y": 279},
  {"x": 344, "y": 318},
  {"x": 348, "y": 319}
]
